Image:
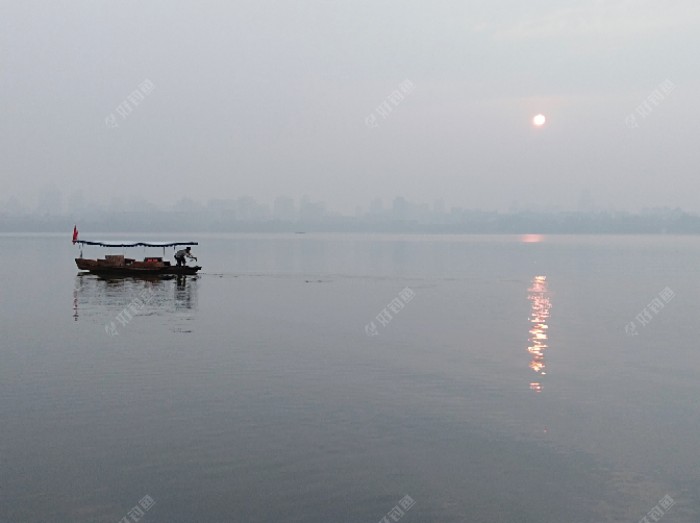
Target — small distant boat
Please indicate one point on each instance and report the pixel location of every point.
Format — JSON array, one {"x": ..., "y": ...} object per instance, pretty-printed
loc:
[{"x": 119, "y": 265}]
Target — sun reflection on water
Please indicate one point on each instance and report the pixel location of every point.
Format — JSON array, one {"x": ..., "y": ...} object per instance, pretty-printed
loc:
[{"x": 538, "y": 294}]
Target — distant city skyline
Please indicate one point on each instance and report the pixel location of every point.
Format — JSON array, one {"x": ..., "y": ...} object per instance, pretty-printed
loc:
[
  {"x": 286, "y": 214},
  {"x": 52, "y": 201}
]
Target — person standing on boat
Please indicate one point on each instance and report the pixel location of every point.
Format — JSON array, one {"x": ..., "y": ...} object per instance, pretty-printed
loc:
[{"x": 182, "y": 254}]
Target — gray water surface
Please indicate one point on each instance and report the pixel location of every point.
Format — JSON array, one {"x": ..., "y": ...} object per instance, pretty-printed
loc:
[{"x": 261, "y": 391}]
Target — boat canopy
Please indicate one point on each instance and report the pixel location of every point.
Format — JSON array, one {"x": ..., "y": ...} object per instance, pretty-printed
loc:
[{"x": 136, "y": 244}]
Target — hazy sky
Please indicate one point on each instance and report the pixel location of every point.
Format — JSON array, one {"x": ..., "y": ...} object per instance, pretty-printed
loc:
[{"x": 265, "y": 98}]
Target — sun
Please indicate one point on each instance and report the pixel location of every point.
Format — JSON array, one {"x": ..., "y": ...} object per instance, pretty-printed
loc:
[{"x": 539, "y": 120}]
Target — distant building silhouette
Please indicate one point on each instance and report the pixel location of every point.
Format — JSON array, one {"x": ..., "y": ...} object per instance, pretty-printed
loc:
[{"x": 284, "y": 209}]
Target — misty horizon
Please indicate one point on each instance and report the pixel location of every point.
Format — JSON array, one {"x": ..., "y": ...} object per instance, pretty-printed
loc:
[
  {"x": 52, "y": 202},
  {"x": 245, "y": 214}
]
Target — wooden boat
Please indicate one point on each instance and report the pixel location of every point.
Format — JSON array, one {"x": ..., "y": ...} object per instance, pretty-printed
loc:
[{"x": 119, "y": 265}]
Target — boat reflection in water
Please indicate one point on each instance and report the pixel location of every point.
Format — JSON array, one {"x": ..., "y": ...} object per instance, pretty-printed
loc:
[
  {"x": 538, "y": 294},
  {"x": 103, "y": 300},
  {"x": 185, "y": 292}
]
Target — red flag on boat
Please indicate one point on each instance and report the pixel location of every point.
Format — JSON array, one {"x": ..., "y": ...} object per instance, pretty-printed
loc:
[{"x": 75, "y": 234}]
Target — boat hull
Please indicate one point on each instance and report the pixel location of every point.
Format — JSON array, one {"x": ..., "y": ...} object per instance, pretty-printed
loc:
[{"x": 95, "y": 267}]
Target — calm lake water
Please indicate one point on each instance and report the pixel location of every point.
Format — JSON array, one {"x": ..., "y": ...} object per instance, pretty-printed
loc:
[{"x": 315, "y": 378}]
